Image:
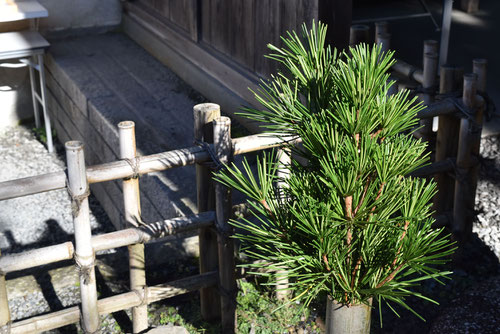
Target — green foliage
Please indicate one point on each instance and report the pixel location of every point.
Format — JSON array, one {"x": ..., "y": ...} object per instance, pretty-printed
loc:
[
  {"x": 41, "y": 134},
  {"x": 255, "y": 310},
  {"x": 349, "y": 222}
]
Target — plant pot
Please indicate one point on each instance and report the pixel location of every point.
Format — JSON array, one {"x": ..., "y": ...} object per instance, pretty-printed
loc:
[{"x": 342, "y": 319}]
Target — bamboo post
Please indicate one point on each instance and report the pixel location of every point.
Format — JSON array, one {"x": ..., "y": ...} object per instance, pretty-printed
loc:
[
  {"x": 384, "y": 39},
  {"x": 84, "y": 255},
  {"x": 132, "y": 207},
  {"x": 204, "y": 115},
  {"x": 4, "y": 305},
  {"x": 381, "y": 27},
  {"x": 479, "y": 67},
  {"x": 429, "y": 74},
  {"x": 462, "y": 210},
  {"x": 446, "y": 144},
  {"x": 430, "y": 46},
  {"x": 283, "y": 173},
  {"x": 359, "y": 34},
  {"x": 227, "y": 270}
]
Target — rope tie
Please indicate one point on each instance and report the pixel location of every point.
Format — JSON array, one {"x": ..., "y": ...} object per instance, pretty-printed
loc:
[
  {"x": 460, "y": 173},
  {"x": 490, "y": 105},
  {"x": 5, "y": 329},
  {"x": 215, "y": 164},
  {"x": 143, "y": 296},
  {"x": 76, "y": 200},
  {"x": 134, "y": 164},
  {"x": 412, "y": 71},
  {"x": 84, "y": 270},
  {"x": 429, "y": 90}
]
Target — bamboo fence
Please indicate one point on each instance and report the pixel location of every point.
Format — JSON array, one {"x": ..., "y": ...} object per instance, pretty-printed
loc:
[
  {"x": 455, "y": 107},
  {"x": 455, "y": 168}
]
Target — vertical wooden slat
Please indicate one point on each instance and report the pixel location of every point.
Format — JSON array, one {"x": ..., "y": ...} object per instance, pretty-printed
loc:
[
  {"x": 462, "y": 211},
  {"x": 338, "y": 15},
  {"x": 4, "y": 303},
  {"x": 204, "y": 115},
  {"x": 132, "y": 206},
  {"x": 241, "y": 26},
  {"x": 84, "y": 254},
  {"x": 227, "y": 270},
  {"x": 206, "y": 28}
]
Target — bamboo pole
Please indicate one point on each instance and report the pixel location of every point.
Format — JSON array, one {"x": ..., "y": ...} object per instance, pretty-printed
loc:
[
  {"x": 147, "y": 164},
  {"x": 84, "y": 254},
  {"x": 122, "y": 238},
  {"x": 359, "y": 34},
  {"x": 462, "y": 211},
  {"x": 479, "y": 67},
  {"x": 381, "y": 27},
  {"x": 204, "y": 115},
  {"x": 429, "y": 73},
  {"x": 116, "y": 303},
  {"x": 430, "y": 46},
  {"x": 384, "y": 39},
  {"x": 4, "y": 304},
  {"x": 446, "y": 145},
  {"x": 408, "y": 71},
  {"x": 227, "y": 268},
  {"x": 132, "y": 207},
  {"x": 282, "y": 291}
]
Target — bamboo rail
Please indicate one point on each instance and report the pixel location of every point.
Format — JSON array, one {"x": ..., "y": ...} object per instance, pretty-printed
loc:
[{"x": 116, "y": 303}]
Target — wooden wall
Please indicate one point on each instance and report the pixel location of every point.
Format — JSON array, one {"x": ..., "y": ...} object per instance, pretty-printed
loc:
[{"x": 237, "y": 29}]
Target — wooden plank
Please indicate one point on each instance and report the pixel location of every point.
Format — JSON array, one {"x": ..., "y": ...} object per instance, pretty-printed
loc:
[
  {"x": 240, "y": 32},
  {"x": 21, "y": 10},
  {"x": 206, "y": 27},
  {"x": 338, "y": 15}
]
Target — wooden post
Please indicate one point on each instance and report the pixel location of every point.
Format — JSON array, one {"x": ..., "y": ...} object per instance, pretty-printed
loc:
[
  {"x": 462, "y": 210},
  {"x": 359, "y": 34},
  {"x": 446, "y": 145},
  {"x": 204, "y": 115},
  {"x": 283, "y": 173},
  {"x": 132, "y": 207},
  {"x": 429, "y": 74},
  {"x": 227, "y": 269},
  {"x": 84, "y": 254},
  {"x": 4, "y": 305}
]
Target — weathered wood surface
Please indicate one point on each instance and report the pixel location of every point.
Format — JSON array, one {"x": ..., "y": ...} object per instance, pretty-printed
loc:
[{"x": 182, "y": 14}]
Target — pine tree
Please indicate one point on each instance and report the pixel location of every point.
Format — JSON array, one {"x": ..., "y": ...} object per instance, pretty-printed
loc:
[{"x": 349, "y": 221}]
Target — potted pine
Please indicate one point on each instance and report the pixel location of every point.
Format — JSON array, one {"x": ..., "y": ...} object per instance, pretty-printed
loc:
[{"x": 347, "y": 221}]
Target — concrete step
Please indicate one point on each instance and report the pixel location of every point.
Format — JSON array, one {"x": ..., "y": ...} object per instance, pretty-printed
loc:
[{"x": 94, "y": 82}]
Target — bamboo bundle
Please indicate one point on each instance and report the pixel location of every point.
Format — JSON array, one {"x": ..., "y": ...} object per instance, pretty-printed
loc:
[
  {"x": 116, "y": 303},
  {"x": 204, "y": 115},
  {"x": 132, "y": 207},
  {"x": 227, "y": 267}
]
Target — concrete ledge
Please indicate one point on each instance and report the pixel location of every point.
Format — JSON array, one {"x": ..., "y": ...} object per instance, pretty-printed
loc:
[{"x": 94, "y": 82}]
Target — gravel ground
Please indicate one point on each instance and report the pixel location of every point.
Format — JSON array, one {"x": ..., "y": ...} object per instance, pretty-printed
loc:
[{"x": 44, "y": 219}]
